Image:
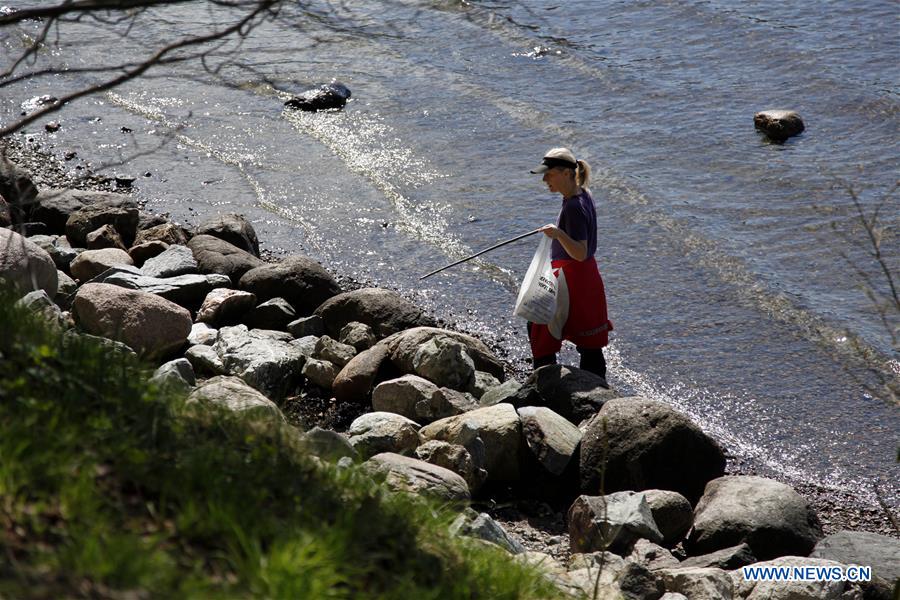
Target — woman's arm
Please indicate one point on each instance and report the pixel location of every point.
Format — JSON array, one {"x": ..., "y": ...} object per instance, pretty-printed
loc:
[{"x": 575, "y": 249}]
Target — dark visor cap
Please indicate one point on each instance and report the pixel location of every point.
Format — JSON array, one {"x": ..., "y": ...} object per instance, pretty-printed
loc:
[{"x": 550, "y": 162}]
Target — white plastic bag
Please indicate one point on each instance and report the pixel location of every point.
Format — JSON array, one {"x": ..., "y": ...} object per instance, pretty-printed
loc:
[{"x": 537, "y": 295}]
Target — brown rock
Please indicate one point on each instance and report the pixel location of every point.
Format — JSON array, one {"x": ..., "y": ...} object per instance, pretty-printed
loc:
[
  {"x": 91, "y": 263},
  {"x": 105, "y": 237},
  {"x": 357, "y": 379},
  {"x": 141, "y": 253}
]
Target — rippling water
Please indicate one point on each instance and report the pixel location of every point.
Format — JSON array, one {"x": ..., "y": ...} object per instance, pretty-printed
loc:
[{"x": 733, "y": 297}]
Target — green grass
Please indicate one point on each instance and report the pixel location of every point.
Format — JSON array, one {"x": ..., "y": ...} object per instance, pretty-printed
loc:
[{"x": 110, "y": 487}]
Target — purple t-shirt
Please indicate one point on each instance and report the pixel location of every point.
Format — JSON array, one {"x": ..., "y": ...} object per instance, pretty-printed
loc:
[{"x": 578, "y": 218}]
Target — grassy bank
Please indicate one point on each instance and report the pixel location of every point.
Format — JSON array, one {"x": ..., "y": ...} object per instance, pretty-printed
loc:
[{"x": 109, "y": 487}]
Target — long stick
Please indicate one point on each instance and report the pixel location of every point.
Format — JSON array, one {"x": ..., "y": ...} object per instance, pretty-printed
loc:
[{"x": 494, "y": 247}]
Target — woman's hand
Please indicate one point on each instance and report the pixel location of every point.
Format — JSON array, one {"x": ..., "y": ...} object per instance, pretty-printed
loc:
[{"x": 551, "y": 231}]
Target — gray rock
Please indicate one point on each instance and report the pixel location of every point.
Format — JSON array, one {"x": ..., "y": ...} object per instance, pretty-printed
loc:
[
  {"x": 176, "y": 374},
  {"x": 65, "y": 287},
  {"x": 118, "y": 211},
  {"x": 25, "y": 265},
  {"x": 218, "y": 256},
  {"x": 268, "y": 364},
  {"x": 147, "y": 220},
  {"x": 793, "y": 590},
  {"x": 445, "y": 362},
  {"x": 728, "y": 558},
  {"x": 612, "y": 522},
  {"x": 329, "y": 445},
  {"x": 152, "y": 326},
  {"x": 73, "y": 337},
  {"x": 403, "y": 346},
  {"x": 174, "y": 260},
  {"x": 141, "y": 253},
  {"x": 233, "y": 394},
  {"x": 482, "y": 383},
  {"x": 453, "y": 457},
  {"x": 415, "y": 476},
  {"x": 500, "y": 393},
  {"x": 40, "y": 303},
  {"x": 778, "y": 125},
  {"x": 201, "y": 333},
  {"x": 328, "y": 96},
  {"x": 16, "y": 186},
  {"x": 385, "y": 311},
  {"x": 105, "y": 237},
  {"x": 306, "y": 345},
  {"x": 647, "y": 445},
  {"x": 419, "y": 399},
  {"x": 880, "y": 552},
  {"x": 185, "y": 290},
  {"x": 376, "y": 432},
  {"x": 672, "y": 513},
  {"x": 224, "y": 306},
  {"x": 551, "y": 439},
  {"x": 572, "y": 393},
  {"x": 54, "y": 206},
  {"x": 205, "y": 360},
  {"x": 271, "y": 314},
  {"x": 499, "y": 429},
  {"x": 168, "y": 233},
  {"x": 58, "y": 248},
  {"x": 700, "y": 584},
  {"x": 652, "y": 556},
  {"x": 485, "y": 528},
  {"x": 234, "y": 229},
  {"x": 355, "y": 381},
  {"x": 359, "y": 335},
  {"x": 333, "y": 351},
  {"x": 769, "y": 516},
  {"x": 307, "y": 326},
  {"x": 320, "y": 372},
  {"x": 91, "y": 263},
  {"x": 304, "y": 283},
  {"x": 5, "y": 213}
]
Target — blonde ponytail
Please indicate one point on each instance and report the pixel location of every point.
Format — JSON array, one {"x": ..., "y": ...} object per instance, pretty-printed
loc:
[{"x": 583, "y": 174}]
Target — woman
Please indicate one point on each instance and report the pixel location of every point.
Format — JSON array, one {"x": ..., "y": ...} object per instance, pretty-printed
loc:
[{"x": 574, "y": 243}]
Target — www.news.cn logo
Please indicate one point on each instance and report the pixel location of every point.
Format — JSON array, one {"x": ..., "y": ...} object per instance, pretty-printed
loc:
[{"x": 807, "y": 573}]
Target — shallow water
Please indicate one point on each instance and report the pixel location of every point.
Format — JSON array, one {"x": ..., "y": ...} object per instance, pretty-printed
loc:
[{"x": 726, "y": 283}]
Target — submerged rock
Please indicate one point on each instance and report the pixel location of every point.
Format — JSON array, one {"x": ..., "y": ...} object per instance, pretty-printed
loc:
[
  {"x": 778, "y": 125},
  {"x": 330, "y": 96}
]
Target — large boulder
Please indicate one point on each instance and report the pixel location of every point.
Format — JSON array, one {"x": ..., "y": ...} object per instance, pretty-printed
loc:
[
  {"x": 880, "y": 552},
  {"x": 550, "y": 439},
  {"x": 119, "y": 211},
  {"x": 304, "y": 283},
  {"x": 233, "y": 394},
  {"x": 419, "y": 399},
  {"x": 769, "y": 516},
  {"x": 234, "y": 229},
  {"x": 376, "y": 432},
  {"x": 414, "y": 476},
  {"x": 573, "y": 393},
  {"x": 385, "y": 311},
  {"x": 174, "y": 260},
  {"x": 778, "y": 125},
  {"x": 149, "y": 324},
  {"x": 91, "y": 263},
  {"x": 266, "y": 361},
  {"x": 185, "y": 290},
  {"x": 612, "y": 522},
  {"x": 218, "y": 256},
  {"x": 499, "y": 429},
  {"x": 404, "y": 345},
  {"x": 54, "y": 206},
  {"x": 25, "y": 265},
  {"x": 647, "y": 445}
]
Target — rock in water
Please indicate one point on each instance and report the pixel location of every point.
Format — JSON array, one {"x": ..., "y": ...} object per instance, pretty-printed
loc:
[
  {"x": 778, "y": 125},
  {"x": 330, "y": 96}
]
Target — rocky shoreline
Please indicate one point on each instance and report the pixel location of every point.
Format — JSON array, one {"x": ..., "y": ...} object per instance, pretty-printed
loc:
[{"x": 372, "y": 379}]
